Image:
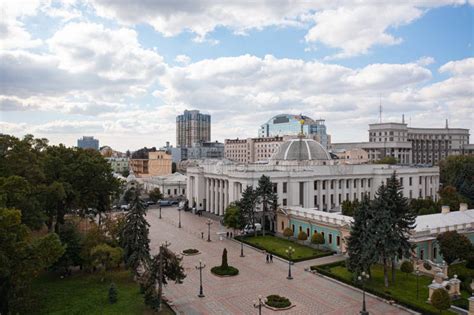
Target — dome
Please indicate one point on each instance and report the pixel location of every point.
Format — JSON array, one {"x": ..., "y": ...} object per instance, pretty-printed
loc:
[{"x": 301, "y": 150}]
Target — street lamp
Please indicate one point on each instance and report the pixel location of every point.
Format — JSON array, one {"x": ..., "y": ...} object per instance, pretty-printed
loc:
[
  {"x": 159, "y": 204},
  {"x": 362, "y": 278},
  {"x": 417, "y": 272},
  {"x": 200, "y": 267},
  {"x": 179, "y": 217},
  {"x": 209, "y": 222},
  {"x": 258, "y": 304},
  {"x": 289, "y": 253},
  {"x": 241, "y": 249}
]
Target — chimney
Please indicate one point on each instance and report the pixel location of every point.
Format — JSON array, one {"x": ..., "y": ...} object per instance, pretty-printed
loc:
[
  {"x": 462, "y": 207},
  {"x": 444, "y": 209}
]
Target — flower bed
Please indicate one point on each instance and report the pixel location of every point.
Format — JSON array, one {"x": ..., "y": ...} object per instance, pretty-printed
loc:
[
  {"x": 225, "y": 272},
  {"x": 278, "y": 302},
  {"x": 190, "y": 251}
]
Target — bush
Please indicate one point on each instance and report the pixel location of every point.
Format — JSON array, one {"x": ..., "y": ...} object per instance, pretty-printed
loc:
[
  {"x": 406, "y": 267},
  {"x": 427, "y": 265},
  {"x": 302, "y": 236},
  {"x": 229, "y": 271},
  {"x": 317, "y": 238},
  {"x": 112, "y": 293},
  {"x": 440, "y": 299},
  {"x": 224, "y": 264},
  {"x": 191, "y": 251},
  {"x": 106, "y": 256},
  {"x": 288, "y": 232},
  {"x": 277, "y": 301},
  {"x": 470, "y": 260}
]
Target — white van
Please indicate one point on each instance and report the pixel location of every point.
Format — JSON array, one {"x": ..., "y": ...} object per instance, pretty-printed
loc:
[{"x": 248, "y": 229}]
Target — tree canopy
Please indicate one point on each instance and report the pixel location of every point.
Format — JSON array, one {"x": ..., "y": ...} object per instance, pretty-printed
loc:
[
  {"x": 458, "y": 171},
  {"x": 453, "y": 246}
]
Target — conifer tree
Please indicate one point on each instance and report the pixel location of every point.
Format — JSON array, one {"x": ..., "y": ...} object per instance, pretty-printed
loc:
[
  {"x": 112, "y": 293},
  {"x": 247, "y": 206},
  {"x": 135, "y": 240},
  {"x": 265, "y": 196}
]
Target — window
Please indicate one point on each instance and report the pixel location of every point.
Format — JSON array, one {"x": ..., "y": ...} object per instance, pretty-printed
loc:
[
  {"x": 362, "y": 183},
  {"x": 355, "y": 183},
  {"x": 340, "y": 184},
  {"x": 175, "y": 191},
  {"x": 420, "y": 180},
  {"x": 284, "y": 201},
  {"x": 284, "y": 188},
  {"x": 324, "y": 184},
  {"x": 410, "y": 181},
  {"x": 330, "y": 238},
  {"x": 169, "y": 191},
  {"x": 347, "y": 183},
  {"x": 338, "y": 241},
  {"x": 332, "y": 184},
  {"x": 322, "y": 233},
  {"x": 368, "y": 182},
  {"x": 307, "y": 232},
  {"x": 435, "y": 252},
  {"x": 282, "y": 225},
  {"x": 422, "y": 254},
  {"x": 275, "y": 187},
  {"x": 315, "y": 200},
  {"x": 301, "y": 228},
  {"x": 293, "y": 228},
  {"x": 315, "y": 184},
  {"x": 324, "y": 199}
]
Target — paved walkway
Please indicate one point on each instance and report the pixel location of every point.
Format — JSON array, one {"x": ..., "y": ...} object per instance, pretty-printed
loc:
[{"x": 235, "y": 295}]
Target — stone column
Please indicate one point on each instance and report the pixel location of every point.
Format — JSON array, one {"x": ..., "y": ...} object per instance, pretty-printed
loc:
[
  {"x": 221, "y": 197},
  {"x": 226, "y": 193},
  {"x": 471, "y": 305}
]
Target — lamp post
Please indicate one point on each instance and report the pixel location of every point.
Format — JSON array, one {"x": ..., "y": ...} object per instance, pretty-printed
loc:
[
  {"x": 241, "y": 249},
  {"x": 179, "y": 217},
  {"x": 200, "y": 267},
  {"x": 362, "y": 278},
  {"x": 209, "y": 222},
  {"x": 258, "y": 304},
  {"x": 417, "y": 272},
  {"x": 289, "y": 253},
  {"x": 160, "y": 209}
]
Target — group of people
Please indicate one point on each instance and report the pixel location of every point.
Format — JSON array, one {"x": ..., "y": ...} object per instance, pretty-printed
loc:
[
  {"x": 269, "y": 257},
  {"x": 229, "y": 235}
]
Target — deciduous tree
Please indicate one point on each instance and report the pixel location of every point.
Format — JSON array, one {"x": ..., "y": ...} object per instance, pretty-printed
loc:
[{"x": 453, "y": 246}]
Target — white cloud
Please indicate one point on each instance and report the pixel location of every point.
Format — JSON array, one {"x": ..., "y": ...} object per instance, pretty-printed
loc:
[
  {"x": 425, "y": 61},
  {"x": 183, "y": 59},
  {"x": 459, "y": 67}
]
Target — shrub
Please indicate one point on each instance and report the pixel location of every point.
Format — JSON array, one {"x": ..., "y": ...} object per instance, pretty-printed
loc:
[
  {"x": 406, "y": 267},
  {"x": 440, "y": 299},
  {"x": 317, "y": 238},
  {"x": 112, "y": 293},
  {"x": 224, "y": 264},
  {"x": 191, "y": 251},
  {"x": 106, "y": 256},
  {"x": 470, "y": 260},
  {"x": 427, "y": 265},
  {"x": 302, "y": 236},
  {"x": 288, "y": 232},
  {"x": 277, "y": 301},
  {"x": 229, "y": 271}
]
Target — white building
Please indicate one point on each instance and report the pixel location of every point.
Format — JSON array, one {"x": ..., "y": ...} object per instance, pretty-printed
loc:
[
  {"x": 304, "y": 175},
  {"x": 118, "y": 164},
  {"x": 171, "y": 186}
]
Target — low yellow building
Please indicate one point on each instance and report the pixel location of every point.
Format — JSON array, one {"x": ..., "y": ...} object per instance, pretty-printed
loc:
[{"x": 159, "y": 163}]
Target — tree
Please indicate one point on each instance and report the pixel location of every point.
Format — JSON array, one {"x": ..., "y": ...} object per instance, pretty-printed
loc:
[
  {"x": 135, "y": 240},
  {"x": 113, "y": 293},
  {"x": 288, "y": 232},
  {"x": 458, "y": 171},
  {"x": 22, "y": 258},
  {"x": 233, "y": 217},
  {"x": 453, "y": 246},
  {"x": 224, "y": 264},
  {"x": 387, "y": 160},
  {"x": 449, "y": 196},
  {"x": 360, "y": 245},
  {"x": 424, "y": 206},
  {"x": 318, "y": 239},
  {"x": 72, "y": 239},
  {"x": 93, "y": 237},
  {"x": 406, "y": 267},
  {"x": 265, "y": 196},
  {"x": 106, "y": 256},
  {"x": 247, "y": 206},
  {"x": 348, "y": 207},
  {"x": 302, "y": 236},
  {"x": 155, "y": 195},
  {"x": 440, "y": 300}
]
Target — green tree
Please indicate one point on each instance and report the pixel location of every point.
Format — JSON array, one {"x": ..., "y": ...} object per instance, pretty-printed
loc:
[
  {"x": 288, "y": 232},
  {"x": 135, "y": 239},
  {"x": 440, "y": 300},
  {"x": 105, "y": 257},
  {"x": 406, "y": 267},
  {"x": 360, "y": 247},
  {"x": 233, "y": 217},
  {"x": 458, "y": 171},
  {"x": 22, "y": 258},
  {"x": 247, "y": 206},
  {"x": 318, "y": 239},
  {"x": 449, "y": 196},
  {"x": 424, "y": 206},
  {"x": 302, "y": 236},
  {"x": 453, "y": 246},
  {"x": 266, "y": 197},
  {"x": 155, "y": 195},
  {"x": 387, "y": 160},
  {"x": 93, "y": 237},
  {"x": 71, "y": 238}
]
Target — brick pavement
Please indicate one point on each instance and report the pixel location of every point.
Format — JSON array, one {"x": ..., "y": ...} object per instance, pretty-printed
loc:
[{"x": 234, "y": 295}]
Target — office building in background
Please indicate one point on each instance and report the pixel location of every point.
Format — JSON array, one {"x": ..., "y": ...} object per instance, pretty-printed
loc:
[
  {"x": 192, "y": 127},
  {"x": 88, "y": 143}
]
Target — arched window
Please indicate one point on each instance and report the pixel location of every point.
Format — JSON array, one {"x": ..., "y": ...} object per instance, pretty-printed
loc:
[{"x": 282, "y": 225}]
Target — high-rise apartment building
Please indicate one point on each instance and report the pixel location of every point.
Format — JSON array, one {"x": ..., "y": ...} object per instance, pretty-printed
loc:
[
  {"x": 292, "y": 125},
  {"x": 88, "y": 143},
  {"x": 192, "y": 127}
]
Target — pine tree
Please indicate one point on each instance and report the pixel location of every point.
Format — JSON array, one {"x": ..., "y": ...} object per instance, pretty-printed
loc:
[
  {"x": 112, "y": 293},
  {"x": 360, "y": 248},
  {"x": 135, "y": 240},
  {"x": 265, "y": 196},
  {"x": 224, "y": 264},
  {"x": 247, "y": 205},
  {"x": 403, "y": 220}
]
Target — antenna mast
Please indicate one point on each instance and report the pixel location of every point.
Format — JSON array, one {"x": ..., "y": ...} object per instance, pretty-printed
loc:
[{"x": 380, "y": 109}]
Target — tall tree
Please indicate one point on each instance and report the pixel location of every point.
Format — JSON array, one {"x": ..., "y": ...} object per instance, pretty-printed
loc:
[
  {"x": 135, "y": 240},
  {"x": 155, "y": 194},
  {"x": 403, "y": 220},
  {"x": 360, "y": 247},
  {"x": 233, "y": 217},
  {"x": 265, "y": 197},
  {"x": 458, "y": 171},
  {"x": 453, "y": 246},
  {"x": 247, "y": 206}
]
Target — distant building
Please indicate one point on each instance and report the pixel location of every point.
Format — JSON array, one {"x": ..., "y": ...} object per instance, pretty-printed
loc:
[
  {"x": 205, "y": 150},
  {"x": 158, "y": 163},
  {"x": 171, "y": 186},
  {"x": 192, "y": 127},
  {"x": 88, "y": 143},
  {"x": 119, "y": 164},
  {"x": 290, "y": 125},
  {"x": 411, "y": 145},
  {"x": 351, "y": 156},
  {"x": 177, "y": 154},
  {"x": 251, "y": 150}
]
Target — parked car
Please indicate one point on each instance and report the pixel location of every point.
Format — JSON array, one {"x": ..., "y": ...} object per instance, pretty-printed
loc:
[
  {"x": 164, "y": 203},
  {"x": 249, "y": 229},
  {"x": 150, "y": 202}
]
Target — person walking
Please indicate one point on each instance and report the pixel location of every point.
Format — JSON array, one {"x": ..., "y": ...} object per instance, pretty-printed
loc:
[
  {"x": 268, "y": 258},
  {"x": 202, "y": 235},
  {"x": 271, "y": 257},
  {"x": 231, "y": 235}
]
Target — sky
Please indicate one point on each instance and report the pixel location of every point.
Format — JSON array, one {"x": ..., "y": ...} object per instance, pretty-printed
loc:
[{"x": 122, "y": 71}]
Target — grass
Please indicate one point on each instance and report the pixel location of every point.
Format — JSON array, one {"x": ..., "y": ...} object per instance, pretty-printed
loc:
[
  {"x": 84, "y": 294},
  {"x": 461, "y": 270},
  {"x": 277, "y": 247},
  {"x": 404, "y": 291}
]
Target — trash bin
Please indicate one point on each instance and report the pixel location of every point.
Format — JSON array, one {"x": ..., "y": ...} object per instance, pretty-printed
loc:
[{"x": 194, "y": 210}]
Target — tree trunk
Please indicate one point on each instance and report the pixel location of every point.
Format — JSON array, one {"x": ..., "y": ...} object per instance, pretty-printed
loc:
[
  {"x": 385, "y": 272},
  {"x": 160, "y": 281},
  {"x": 263, "y": 223},
  {"x": 394, "y": 270}
]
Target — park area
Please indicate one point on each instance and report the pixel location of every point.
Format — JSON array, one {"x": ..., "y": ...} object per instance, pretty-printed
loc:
[
  {"x": 404, "y": 292},
  {"x": 277, "y": 246},
  {"x": 85, "y": 293}
]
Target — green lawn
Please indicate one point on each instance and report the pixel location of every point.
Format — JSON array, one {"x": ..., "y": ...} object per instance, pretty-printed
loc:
[
  {"x": 277, "y": 246},
  {"x": 83, "y": 293},
  {"x": 403, "y": 291}
]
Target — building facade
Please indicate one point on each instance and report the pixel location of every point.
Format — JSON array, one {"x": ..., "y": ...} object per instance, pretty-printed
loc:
[
  {"x": 251, "y": 150},
  {"x": 303, "y": 175},
  {"x": 292, "y": 125},
  {"x": 119, "y": 164},
  {"x": 88, "y": 143},
  {"x": 411, "y": 145},
  {"x": 192, "y": 127},
  {"x": 205, "y": 150},
  {"x": 171, "y": 186},
  {"x": 158, "y": 163}
]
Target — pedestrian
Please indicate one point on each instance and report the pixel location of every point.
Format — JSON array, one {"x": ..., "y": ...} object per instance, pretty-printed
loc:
[
  {"x": 268, "y": 259},
  {"x": 227, "y": 235},
  {"x": 271, "y": 257},
  {"x": 202, "y": 235},
  {"x": 231, "y": 235}
]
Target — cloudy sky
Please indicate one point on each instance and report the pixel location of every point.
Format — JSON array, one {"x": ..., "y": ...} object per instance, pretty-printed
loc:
[{"x": 122, "y": 70}]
